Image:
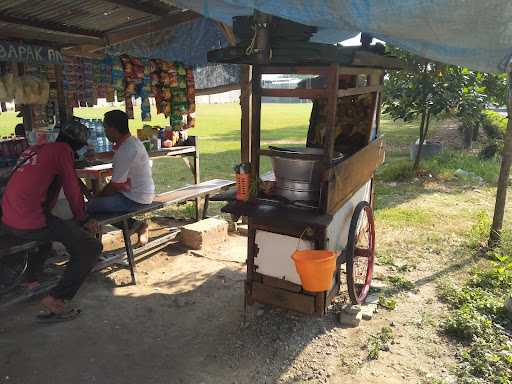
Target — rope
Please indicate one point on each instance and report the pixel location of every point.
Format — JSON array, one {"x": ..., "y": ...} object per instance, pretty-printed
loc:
[{"x": 250, "y": 49}]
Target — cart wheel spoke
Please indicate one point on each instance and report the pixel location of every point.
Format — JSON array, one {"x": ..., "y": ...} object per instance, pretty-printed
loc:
[{"x": 360, "y": 252}]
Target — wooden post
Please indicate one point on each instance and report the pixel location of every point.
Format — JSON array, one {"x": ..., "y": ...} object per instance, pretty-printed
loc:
[
  {"x": 245, "y": 99},
  {"x": 332, "y": 105},
  {"x": 506, "y": 161},
  {"x": 255, "y": 123},
  {"x": 197, "y": 178},
  {"x": 246, "y": 109}
]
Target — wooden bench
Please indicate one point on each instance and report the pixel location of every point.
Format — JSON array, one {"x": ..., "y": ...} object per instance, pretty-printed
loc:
[{"x": 181, "y": 195}]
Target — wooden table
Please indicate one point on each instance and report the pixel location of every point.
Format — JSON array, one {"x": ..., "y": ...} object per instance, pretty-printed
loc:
[{"x": 97, "y": 173}]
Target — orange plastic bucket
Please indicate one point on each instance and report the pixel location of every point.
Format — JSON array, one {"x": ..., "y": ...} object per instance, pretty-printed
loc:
[{"x": 316, "y": 269}]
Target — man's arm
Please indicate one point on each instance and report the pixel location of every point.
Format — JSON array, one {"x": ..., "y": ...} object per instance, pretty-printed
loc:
[{"x": 112, "y": 188}]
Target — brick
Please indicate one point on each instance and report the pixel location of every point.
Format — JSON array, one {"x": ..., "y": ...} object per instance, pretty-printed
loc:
[{"x": 204, "y": 234}]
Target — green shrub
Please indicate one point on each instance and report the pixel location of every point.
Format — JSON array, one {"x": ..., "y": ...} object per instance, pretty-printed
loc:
[
  {"x": 479, "y": 232},
  {"x": 465, "y": 323},
  {"x": 401, "y": 283},
  {"x": 494, "y": 124},
  {"x": 481, "y": 300},
  {"x": 498, "y": 279},
  {"x": 387, "y": 302},
  {"x": 477, "y": 316},
  {"x": 379, "y": 342},
  {"x": 489, "y": 359}
]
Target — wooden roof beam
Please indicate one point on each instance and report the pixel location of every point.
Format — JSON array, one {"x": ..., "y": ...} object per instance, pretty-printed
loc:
[
  {"x": 50, "y": 26},
  {"x": 228, "y": 33},
  {"x": 45, "y": 36},
  {"x": 150, "y": 8}
]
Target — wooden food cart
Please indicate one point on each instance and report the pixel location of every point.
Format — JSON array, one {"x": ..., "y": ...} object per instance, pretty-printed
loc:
[{"x": 320, "y": 196}]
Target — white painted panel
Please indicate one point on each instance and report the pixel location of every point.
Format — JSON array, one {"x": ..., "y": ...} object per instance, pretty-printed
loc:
[
  {"x": 275, "y": 255},
  {"x": 337, "y": 231}
]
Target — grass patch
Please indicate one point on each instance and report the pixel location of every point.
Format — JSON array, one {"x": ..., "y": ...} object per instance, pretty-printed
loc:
[
  {"x": 385, "y": 259},
  {"x": 403, "y": 134},
  {"x": 401, "y": 283},
  {"x": 446, "y": 164},
  {"x": 400, "y": 170},
  {"x": 379, "y": 342},
  {"x": 8, "y": 121},
  {"x": 479, "y": 232},
  {"x": 387, "y": 302},
  {"x": 444, "y": 167},
  {"x": 404, "y": 216},
  {"x": 477, "y": 316}
]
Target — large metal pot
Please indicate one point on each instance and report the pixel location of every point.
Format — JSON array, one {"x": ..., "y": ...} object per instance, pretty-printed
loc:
[{"x": 297, "y": 179}]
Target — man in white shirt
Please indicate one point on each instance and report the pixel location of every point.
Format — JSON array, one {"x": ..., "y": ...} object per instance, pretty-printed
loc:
[{"x": 132, "y": 184}]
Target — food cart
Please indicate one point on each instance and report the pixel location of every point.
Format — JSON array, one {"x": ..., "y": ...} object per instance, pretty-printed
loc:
[{"x": 320, "y": 196}]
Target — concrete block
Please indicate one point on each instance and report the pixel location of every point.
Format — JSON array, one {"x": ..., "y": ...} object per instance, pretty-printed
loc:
[
  {"x": 372, "y": 299},
  {"x": 368, "y": 311},
  {"x": 350, "y": 319},
  {"x": 205, "y": 233},
  {"x": 351, "y": 309}
]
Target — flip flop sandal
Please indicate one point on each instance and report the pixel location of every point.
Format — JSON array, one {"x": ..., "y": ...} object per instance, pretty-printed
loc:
[
  {"x": 32, "y": 287},
  {"x": 52, "y": 317}
]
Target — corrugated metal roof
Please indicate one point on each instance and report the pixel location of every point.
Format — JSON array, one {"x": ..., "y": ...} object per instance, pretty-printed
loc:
[{"x": 92, "y": 15}]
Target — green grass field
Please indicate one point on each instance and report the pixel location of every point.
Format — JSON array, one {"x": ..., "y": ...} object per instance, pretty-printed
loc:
[{"x": 218, "y": 129}]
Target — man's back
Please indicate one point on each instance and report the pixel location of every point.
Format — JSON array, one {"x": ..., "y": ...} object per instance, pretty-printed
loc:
[
  {"x": 131, "y": 162},
  {"x": 28, "y": 189}
]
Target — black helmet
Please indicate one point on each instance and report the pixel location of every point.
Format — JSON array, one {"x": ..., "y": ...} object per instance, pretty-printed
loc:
[{"x": 74, "y": 133}]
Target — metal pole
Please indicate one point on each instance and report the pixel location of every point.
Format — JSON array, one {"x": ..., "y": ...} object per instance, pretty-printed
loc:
[{"x": 506, "y": 161}]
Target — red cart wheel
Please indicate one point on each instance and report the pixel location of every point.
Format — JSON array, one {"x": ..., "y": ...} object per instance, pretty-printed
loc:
[{"x": 360, "y": 252}]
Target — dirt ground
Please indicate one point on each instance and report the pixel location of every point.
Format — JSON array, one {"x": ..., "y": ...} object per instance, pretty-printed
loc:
[{"x": 183, "y": 323}]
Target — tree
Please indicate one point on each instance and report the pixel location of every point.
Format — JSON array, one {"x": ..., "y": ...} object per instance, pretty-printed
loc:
[
  {"x": 422, "y": 91},
  {"x": 476, "y": 92},
  {"x": 429, "y": 89}
]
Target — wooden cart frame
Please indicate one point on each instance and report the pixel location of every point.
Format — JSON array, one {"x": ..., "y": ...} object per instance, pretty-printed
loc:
[{"x": 341, "y": 179}]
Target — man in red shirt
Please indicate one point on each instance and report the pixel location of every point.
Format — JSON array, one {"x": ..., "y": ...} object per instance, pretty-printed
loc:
[{"x": 32, "y": 192}]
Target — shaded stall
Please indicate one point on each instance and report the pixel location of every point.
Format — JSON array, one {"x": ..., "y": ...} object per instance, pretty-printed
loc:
[{"x": 65, "y": 44}]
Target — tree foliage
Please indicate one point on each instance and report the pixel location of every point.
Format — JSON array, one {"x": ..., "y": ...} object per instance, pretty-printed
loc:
[{"x": 430, "y": 89}]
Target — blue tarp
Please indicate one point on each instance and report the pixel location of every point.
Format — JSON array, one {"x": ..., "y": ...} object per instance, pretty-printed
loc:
[{"x": 472, "y": 33}]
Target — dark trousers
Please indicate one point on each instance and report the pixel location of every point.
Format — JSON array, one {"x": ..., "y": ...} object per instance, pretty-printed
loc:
[
  {"x": 116, "y": 203},
  {"x": 83, "y": 247}
]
